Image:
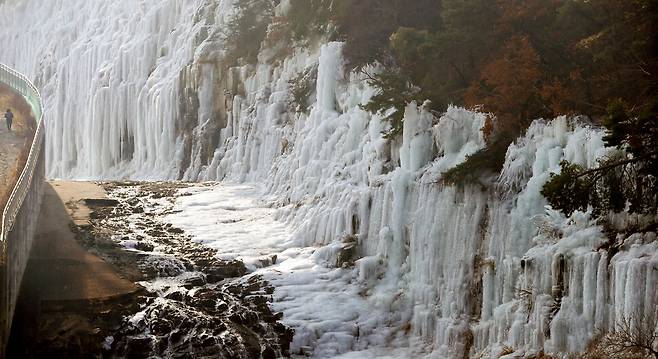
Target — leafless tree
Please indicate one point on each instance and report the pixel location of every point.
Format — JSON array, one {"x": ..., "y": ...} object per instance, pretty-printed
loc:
[{"x": 635, "y": 336}]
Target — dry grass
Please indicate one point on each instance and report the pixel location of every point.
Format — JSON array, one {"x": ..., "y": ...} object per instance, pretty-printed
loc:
[
  {"x": 507, "y": 350},
  {"x": 635, "y": 337},
  {"x": 15, "y": 171},
  {"x": 14, "y": 147}
]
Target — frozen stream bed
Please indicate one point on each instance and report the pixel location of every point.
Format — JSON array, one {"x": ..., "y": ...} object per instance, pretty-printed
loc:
[{"x": 323, "y": 303}]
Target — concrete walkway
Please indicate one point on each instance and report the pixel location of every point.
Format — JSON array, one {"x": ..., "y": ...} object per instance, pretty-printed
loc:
[
  {"x": 67, "y": 292},
  {"x": 60, "y": 269}
]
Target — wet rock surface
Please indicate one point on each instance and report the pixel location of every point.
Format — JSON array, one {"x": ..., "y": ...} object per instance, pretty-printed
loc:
[
  {"x": 69, "y": 331},
  {"x": 194, "y": 305}
]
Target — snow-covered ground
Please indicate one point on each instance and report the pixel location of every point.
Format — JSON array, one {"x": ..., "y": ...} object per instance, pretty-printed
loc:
[
  {"x": 231, "y": 219},
  {"x": 340, "y": 311},
  {"x": 325, "y": 305}
]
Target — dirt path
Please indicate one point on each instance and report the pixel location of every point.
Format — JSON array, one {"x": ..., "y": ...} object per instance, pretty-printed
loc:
[{"x": 14, "y": 145}]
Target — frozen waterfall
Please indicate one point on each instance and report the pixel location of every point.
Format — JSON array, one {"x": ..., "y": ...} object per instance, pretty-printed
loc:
[{"x": 136, "y": 89}]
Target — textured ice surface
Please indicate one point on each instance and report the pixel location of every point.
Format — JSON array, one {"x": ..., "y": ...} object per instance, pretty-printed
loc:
[
  {"x": 110, "y": 73},
  {"x": 326, "y": 305},
  {"x": 229, "y": 219},
  {"x": 134, "y": 89}
]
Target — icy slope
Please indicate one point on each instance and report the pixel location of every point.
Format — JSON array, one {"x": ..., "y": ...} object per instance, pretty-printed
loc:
[{"x": 140, "y": 91}]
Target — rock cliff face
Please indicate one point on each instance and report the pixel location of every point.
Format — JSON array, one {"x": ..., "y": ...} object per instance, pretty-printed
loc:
[{"x": 142, "y": 91}]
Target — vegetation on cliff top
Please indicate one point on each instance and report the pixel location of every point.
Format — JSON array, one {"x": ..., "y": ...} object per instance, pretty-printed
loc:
[{"x": 517, "y": 60}]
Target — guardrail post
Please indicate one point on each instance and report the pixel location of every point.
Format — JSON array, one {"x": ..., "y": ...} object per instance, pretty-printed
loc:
[{"x": 21, "y": 212}]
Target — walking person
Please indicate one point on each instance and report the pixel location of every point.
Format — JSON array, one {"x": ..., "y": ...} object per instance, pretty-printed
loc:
[{"x": 9, "y": 117}]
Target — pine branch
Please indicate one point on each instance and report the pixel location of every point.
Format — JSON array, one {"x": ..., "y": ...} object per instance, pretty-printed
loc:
[{"x": 617, "y": 164}]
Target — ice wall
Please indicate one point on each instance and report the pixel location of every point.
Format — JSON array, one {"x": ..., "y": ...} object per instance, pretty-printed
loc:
[
  {"x": 114, "y": 76},
  {"x": 469, "y": 270},
  {"x": 140, "y": 91}
]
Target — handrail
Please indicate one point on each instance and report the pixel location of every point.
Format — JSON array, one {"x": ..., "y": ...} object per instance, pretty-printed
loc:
[
  {"x": 21, "y": 84},
  {"x": 20, "y": 213}
]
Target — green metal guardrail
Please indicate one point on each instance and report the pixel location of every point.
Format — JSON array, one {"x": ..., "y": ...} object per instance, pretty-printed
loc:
[
  {"x": 21, "y": 212},
  {"x": 21, "y": 84}
]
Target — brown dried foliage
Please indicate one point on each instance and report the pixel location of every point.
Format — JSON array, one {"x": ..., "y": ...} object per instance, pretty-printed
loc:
[
  {"x": 635, "y": 337},
  {"x": 23, "y": 128}
]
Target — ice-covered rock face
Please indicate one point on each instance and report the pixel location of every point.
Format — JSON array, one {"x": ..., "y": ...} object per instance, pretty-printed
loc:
[
  {"x": 137, "y": 89},
  {"x": 113, "y": 75}
]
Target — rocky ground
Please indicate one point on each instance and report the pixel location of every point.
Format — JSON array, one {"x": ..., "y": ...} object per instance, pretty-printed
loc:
[{"x": 193, "y": 305}]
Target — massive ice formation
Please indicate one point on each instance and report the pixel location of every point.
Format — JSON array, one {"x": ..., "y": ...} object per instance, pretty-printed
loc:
[
  {"x": 113, "y": 75},
  {"x": 138, "y": 89}
]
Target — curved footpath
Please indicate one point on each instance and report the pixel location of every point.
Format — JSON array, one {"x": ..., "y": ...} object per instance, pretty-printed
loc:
[{"x": 14, "y": 145}]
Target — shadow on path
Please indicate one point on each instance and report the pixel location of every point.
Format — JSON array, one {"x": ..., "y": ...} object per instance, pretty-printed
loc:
[{"x": 61, "y": 276}]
